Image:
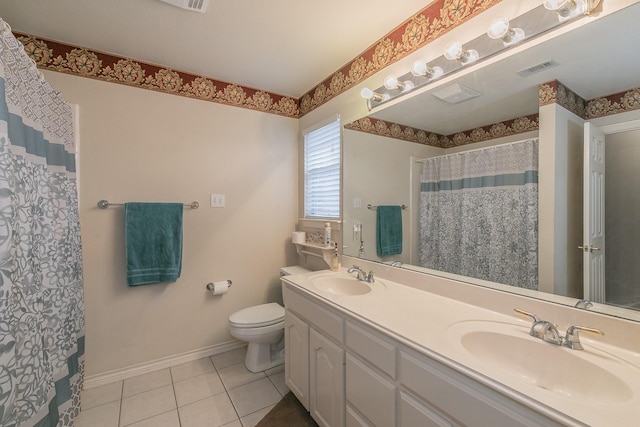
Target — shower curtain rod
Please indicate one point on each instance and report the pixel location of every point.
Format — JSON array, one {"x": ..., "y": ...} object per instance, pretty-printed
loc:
[
  {"x": 104, "y": 204},
  {"x": 476, "y": 149}
]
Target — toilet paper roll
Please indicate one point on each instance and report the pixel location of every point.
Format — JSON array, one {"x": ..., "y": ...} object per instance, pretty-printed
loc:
[
  {"x": 298, "y": 237},
  {"x": 219, "y": 288}
]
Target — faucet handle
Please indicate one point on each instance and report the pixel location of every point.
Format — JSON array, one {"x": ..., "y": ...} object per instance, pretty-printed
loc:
[
  {"x": 583, "y": 303},
  {"x": 572, "y": 337},
  {"x": 533, "y": 317},
  {"x": 369, "y": 277}
]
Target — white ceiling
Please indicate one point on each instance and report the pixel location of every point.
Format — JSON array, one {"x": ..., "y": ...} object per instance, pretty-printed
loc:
[{"x": 281, "y": 46}]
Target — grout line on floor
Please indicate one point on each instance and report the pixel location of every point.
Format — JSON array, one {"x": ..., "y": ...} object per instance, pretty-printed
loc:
[{"x": 120, "y": 407}]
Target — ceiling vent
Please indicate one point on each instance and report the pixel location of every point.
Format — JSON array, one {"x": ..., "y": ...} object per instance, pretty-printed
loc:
[
  {"x": 538, "y": 68},
  {"x": 193, "y": 5},
  {"x": 456, "y": 93}
]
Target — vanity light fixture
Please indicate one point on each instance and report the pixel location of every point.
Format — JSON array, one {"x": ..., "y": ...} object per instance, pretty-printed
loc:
[
  {"x": 549, "y": 14},
  {"x": 454, "y": 51},
  {"x": 370, "y": 95},
  {"x": 392, "y": 82},
  {"x": 566, "y": 8},
  {"x": 420, "y": 68},
  {"x": 500, "y": 29}
]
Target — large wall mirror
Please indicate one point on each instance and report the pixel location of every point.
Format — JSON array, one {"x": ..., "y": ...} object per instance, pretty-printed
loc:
[{"x": 593, "y": 60}]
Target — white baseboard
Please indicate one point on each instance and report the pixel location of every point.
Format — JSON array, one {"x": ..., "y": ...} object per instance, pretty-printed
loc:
[{"x": 162, "y": 363}]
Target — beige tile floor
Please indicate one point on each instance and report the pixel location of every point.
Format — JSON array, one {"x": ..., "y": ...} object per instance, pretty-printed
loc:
[{"x": 211, "y": 392}]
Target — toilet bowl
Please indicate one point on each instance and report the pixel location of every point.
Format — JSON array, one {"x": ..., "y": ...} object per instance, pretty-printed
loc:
[{"x": 262, "y": 326}]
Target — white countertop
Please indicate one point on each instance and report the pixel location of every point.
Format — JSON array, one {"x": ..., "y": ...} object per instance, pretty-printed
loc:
[{"x": 422, "y": 321}]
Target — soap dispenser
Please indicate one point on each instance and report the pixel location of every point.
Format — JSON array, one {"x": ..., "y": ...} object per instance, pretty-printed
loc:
[{"x": 335, "y": 260}]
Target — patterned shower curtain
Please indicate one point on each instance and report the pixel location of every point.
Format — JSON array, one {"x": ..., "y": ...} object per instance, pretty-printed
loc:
[
  {"x": 41, "y": 290},
  {"x": 479, "y": 214}
]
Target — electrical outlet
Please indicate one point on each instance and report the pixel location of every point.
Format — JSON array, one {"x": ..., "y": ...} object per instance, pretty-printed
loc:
[{"x": 217, "y": 201}]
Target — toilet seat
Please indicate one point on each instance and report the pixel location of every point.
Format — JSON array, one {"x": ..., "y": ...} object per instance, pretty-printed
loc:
[{"x": 258, "y": 316}]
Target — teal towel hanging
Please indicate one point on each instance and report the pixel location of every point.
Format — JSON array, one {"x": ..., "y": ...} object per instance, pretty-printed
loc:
[
  {"x": 389, "y": 230},
  {"x": 153, "y": 242}
]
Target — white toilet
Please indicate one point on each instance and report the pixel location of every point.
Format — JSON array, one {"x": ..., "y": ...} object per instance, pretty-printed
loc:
[{"x": 262, "y": 326}]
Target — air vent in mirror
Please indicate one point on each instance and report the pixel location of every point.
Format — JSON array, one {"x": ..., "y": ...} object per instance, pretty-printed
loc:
[
  {"x": 456, "y": 93},
  {"x": 538, "y": 68},
  {"x": 193, "y": 5}
]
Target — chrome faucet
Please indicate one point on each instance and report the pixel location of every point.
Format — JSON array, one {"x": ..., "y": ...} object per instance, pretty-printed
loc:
[
  {"x": 548, "y": 332},
  {"x": 365, "y": 277},
  {"x": 542, "y": 329}
]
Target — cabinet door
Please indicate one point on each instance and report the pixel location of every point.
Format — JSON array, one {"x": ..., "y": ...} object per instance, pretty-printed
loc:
[
  {"x": 326, "y": 378},
  {"x": 296, "y": 353}
]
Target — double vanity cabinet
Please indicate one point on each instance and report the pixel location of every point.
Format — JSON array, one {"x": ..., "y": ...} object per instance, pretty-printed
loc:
[{"x": 349, "y": 371}]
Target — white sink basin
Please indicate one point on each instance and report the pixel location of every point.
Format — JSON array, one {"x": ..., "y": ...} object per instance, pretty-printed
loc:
[
  {"x": 340, "y": 285},
  {"x": 509, "y": 349}
]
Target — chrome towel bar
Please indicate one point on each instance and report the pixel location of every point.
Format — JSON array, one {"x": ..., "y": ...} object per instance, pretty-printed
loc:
[
  {"x": 104, "y": 204},
  {"x": 372, "y": 207}
]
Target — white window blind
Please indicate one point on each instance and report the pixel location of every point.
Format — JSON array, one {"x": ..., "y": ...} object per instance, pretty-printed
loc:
[{"x": 322, "y": 172}]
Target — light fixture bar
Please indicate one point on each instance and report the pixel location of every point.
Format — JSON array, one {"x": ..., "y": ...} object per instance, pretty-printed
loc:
[{"x": 501, "y": 35}]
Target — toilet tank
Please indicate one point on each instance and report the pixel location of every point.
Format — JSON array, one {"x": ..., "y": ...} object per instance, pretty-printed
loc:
[{"x": 294, "y": 269}]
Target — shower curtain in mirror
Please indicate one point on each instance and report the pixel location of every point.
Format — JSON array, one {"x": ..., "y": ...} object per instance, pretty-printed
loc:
[
  {"x": 41, "y": 293},
  {"x": 479, "y": 214}
]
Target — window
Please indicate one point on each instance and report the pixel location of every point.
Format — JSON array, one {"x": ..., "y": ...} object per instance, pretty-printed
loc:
[{"x": 322, "y": 172}]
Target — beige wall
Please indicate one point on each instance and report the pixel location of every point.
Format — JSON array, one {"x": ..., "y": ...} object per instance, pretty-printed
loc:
[
  {"x": 380, "y": 171},
  {"x": 560, "y": 202},
  {"x": 139, "y": 145}
]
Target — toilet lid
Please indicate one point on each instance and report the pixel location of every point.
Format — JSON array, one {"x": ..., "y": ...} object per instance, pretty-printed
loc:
[{"x": 259, "y": 315}]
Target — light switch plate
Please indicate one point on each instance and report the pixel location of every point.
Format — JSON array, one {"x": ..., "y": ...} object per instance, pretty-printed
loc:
[{"x": 217, "y": 201}]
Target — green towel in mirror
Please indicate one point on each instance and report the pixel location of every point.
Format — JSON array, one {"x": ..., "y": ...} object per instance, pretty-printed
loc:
[
  {"x": 389, "y": 230},
  {"x": 153, "y": 241}
]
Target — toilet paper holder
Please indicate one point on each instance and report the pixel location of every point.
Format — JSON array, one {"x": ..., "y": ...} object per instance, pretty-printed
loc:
[{"x": 211, "y": 285}]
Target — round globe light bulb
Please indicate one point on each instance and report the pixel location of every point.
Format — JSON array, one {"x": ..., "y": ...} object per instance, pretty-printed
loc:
[
  {"x": 367, "y": 93},
  {"x": 555, "y": 4},
  {"x": 436, "y": 72},
  {"x": 419, "y": 68},
  {"x": 391, "y": 82},
  {"x": 498, "y": 28},
  {"x": 453, "y": 50}
]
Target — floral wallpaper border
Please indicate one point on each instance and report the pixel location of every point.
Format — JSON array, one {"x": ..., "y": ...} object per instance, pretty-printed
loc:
[
  {"x": 613, "y": 104},
  {"x": 554, "y": 92},
  {"x": 549, "y": 93},
  {"x": 83, "y": 62},
  {"x": 394, "y": 130},
  {"x": 484, "y": 133},
  {"x": 433, "y": 21}
]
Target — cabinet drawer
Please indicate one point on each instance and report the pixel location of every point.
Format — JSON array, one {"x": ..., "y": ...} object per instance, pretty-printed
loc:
[
  {"x": 328, "y": 322},
  {"x": 414, "y": 413},
  {"x": 370, "y": 393},
  {"x": 463, "y": 399},
  {"x": 354, "y": 419},
  {"x": 374, "y": 350}
]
